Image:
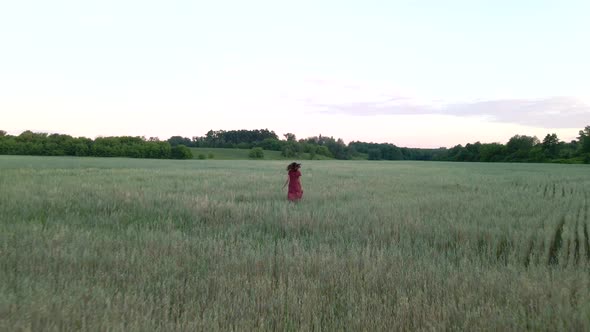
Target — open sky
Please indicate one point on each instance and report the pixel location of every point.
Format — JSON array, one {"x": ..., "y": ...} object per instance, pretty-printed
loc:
[{"x": 420, "y": 73}]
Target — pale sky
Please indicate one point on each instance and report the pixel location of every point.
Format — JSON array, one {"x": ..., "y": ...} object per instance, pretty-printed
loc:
[{"x": 414, "y": 73}]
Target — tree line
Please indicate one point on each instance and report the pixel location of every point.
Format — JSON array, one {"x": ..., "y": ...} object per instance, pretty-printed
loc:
[
  {"x": 520, "y": 148},
  {"x": 43, "y": 144},
  {"x": 314, "y": 146}
]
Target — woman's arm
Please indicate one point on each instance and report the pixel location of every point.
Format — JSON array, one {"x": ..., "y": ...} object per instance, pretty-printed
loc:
[{"x": 286, "y": 182}]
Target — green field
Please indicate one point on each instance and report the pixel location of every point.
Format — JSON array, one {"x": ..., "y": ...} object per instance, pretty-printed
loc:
[
  {"x": 242, "y": 154},
  {"x": 141, "y": 245}
]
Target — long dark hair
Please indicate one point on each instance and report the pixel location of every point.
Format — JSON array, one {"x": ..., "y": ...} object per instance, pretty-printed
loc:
[{"x": 293, "y": 167}]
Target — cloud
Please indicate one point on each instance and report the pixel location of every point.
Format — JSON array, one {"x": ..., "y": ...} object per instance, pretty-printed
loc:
[{"x": 554, "y": 112}]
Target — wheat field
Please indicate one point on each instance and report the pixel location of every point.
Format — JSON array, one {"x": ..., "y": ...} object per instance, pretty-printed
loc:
[{"x": 200, "y": 245}]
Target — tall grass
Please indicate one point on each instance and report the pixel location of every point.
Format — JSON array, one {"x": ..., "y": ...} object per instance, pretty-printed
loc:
[{"x": 135, "y": 245}]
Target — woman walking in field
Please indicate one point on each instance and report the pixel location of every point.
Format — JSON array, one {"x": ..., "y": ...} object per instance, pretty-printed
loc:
[{"x": 295, "y": 191}]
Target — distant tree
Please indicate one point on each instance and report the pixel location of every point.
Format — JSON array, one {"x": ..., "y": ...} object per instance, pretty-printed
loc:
[
  {"x": 289, "y": 150},
  {"x": 471, "y": 152},
  {"x": 536, "y": 154},
  {"x": 324, "y": 151},
  {"x": 181, "y": 152},
  {"x": 8, "y": 145},
  {"x": 390, "y": 152},
  {"x": 312, "y": 150},
  {"x": 550, "y": 146},
  {"x": 521, "y": 142},
  {"x": 81, "y": 149},
  {"x": 584, "y": 140},
  {"x": 196, "y": 141},
  {"x": 244, "y": 145},
  {"x": 28, "y": 135},
  {"x": 233, "y": 138},
  {"x": 202, "y": 156},
  {"x": 256, "y": 153},
  {"x": 43, "y": 144},
  {"x": 374, "y": 154},
  {"x": 156, "y": 150},
  {"x": 290, "y": 137},
  {"x": 453, "y": 153},
  {"x": 2, "y": 133},
  {"x": 492, "y": 152},
  {"x": 338, "y": 149},
  {"x": 179, "y": 140},
  {"x": 271, "y": 144},
  {"x": 520, "y": 146},
  {"x": 211, "y": 156}
]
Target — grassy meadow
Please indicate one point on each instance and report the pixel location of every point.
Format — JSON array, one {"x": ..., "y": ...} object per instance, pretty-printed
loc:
[{"x": 140, "y": 245}]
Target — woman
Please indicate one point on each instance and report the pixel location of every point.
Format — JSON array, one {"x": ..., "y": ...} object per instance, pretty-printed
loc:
[{"x": 295, "y": 191}]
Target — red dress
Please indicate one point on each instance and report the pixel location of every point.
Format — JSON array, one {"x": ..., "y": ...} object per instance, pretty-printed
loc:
[{"x": 295, "y": 191}]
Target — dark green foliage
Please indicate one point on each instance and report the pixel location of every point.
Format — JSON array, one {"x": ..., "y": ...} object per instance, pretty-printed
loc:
[
  {"x": 134, "y": 147},
  {"x": 536, "y": 154},
  {"x": 211, "y": 156},
  {"x": 231, "y": 138},
  {"x": 42, "y": 144},
  {"x": 181, "y": 152},
  {"x": 179, "y": 140},
  {"x": 244, "y": 145},
  {"x": 291, "y": 149},
  {"x": 256, "y": 153},
  {"x": 156, "y": 150},
  {"x": 338, "y": 149},
  {"x": 29, "y": 143},
  {"x": 374, "y": 154},
  {"x": 290, "y": 137},
  {"x": 319, "y": 145},
  {"x": 324, "y": 151},
  {"x": 201, "y": 156},
  {"x": 521, "y": 148},
  {"x": 270, "y": 144},
  {"x": 314, "y": 146},
  {"x": 311, "y": 149},
  {"x": 387, "y": 151},
  {"x": 471, "y": 152},
  {"x": 550, "y": 145},
  {"x": 584, "y": 139},
  {"x": 268, "y": 140},
  {"x": 492, "y": 152}
]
